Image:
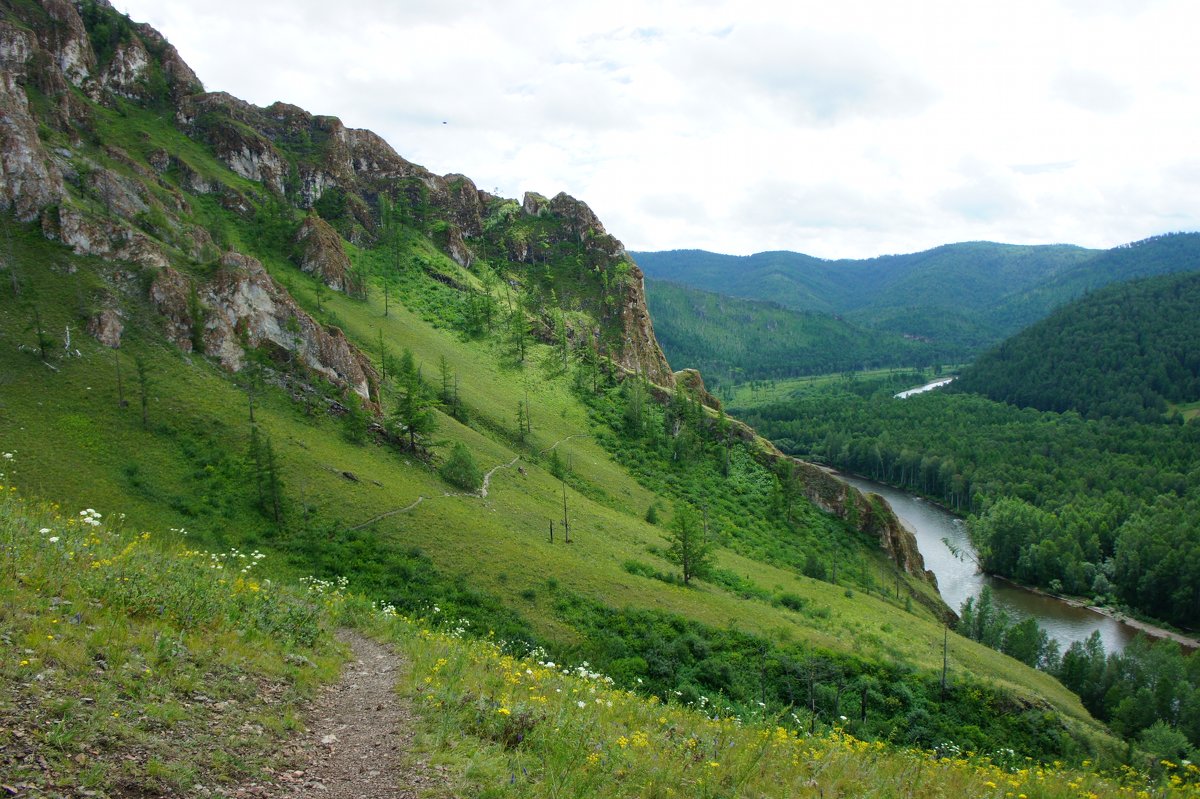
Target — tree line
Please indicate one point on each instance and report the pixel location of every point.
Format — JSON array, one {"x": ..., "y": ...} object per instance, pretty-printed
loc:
[
  {"x": 1149, "y": 693},
  {"x": 1127, "y": 351},
  {"x": 1106, "y": 509}
]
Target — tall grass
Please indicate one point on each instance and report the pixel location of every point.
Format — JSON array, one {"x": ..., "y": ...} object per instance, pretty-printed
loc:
[
  {"x": 133, "y": 663},
  {"x": 524, "y": 726},
  {"x": 128, "y": 660}
]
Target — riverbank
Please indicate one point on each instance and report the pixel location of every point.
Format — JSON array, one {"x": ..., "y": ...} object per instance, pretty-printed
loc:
[
  {"x": 1151, "y": 630},
  {"x": 958, "y": 576}
]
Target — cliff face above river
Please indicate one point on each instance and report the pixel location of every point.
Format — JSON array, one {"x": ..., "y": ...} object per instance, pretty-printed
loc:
[{"x": 867, "y": 512}]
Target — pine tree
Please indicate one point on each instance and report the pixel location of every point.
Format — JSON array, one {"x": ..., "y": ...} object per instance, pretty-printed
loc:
[
  {"x": 687, "y": 546},
  {"x": 357, "y": 421},
  {"x": 272, "y": 484},
  {"x": 413, "y": 412},
  {"x": 255, "y": 463},
  {"x": 43, "y": 341},
  {"x": 522, "y": 421},
  {"x": 144, "y": 383}
]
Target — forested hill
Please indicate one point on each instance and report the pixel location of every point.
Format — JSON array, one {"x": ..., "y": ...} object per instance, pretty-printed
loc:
[
  {"x": 967, "y": 296},
  {"x": 1128, "y": 350},
  {"x": 730, "y": 339}
]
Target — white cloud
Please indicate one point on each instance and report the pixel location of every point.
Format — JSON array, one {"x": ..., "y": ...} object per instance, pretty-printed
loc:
[
  {"x": 1092, "y": 91},
  {"x": 845, "y": 129}
]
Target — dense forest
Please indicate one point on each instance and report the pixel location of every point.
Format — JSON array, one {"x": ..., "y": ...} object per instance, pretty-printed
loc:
[
  {"x": 1102, "y": 508},
  {"x": 967, "y": 297},
  {"x": 1129, "y": 350},
  {"x": 733, "y": 340},
  {"x": 1149, "y": 692}
]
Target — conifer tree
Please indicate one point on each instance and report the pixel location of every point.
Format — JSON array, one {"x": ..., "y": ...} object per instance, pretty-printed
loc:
[
  {"x": 144, "y": 383},
  {"x": 687, "y": 546},
  {"x": 413, "y": 413}
]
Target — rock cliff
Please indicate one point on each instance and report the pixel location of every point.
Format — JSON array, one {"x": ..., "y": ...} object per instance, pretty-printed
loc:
[
  {"x": 244, "y": 306},
  {"x": 135, "y": 207},
  {"x": 318, "y": 251}
]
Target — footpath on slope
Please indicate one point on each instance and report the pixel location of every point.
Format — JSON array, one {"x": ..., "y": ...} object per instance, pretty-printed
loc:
[
  {"x": 359, "y": 734},
  {"x": 482, "y": 493}
]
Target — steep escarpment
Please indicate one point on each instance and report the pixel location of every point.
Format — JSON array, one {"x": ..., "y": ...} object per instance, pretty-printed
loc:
[
  {"x": 869, "y": 513},
  {"x": 70, "y": 69},
  {"x": 243, "y": 307}
]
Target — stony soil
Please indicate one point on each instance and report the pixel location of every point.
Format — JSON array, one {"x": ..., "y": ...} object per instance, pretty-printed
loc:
[{"x": 358, "y": 738}]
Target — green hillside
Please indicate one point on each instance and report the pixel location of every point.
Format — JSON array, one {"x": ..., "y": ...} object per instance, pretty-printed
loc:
[
  {"x": 153, "y": 669},
  {"x": 1128, "y": 350},
  {"x": 257, "y": 329},
  {"x": 961, "y": 297},
  {"x": 732, "y": 340}
]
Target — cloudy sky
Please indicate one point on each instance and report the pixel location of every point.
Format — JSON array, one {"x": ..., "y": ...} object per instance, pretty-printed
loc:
[{"x": 840, "y": 129}]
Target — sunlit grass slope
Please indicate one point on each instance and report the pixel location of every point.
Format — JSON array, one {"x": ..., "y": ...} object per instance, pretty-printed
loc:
[
  {"x": 510, "y": 726},
  {"x": 130, "y": 664},
  {"x": 134, "y": 664}
]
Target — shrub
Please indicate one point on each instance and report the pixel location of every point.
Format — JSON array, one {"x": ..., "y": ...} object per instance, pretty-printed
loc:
[{"x": 461, "y": 470}]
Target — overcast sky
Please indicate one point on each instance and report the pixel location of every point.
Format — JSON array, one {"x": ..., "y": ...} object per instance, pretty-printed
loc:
[{"x": 840, "y": 129}]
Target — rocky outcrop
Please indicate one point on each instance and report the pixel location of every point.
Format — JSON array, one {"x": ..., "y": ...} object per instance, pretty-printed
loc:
[
  {"x": 640, "y": 349},
  {"x": 181, "y": 80},
  {"x": 456, "y": 247},
  {"x": 219, "y": 120},
  {"x": 171, "y": 294},
  {"x": 869, "y": 513},
  {"x": 458, "y": 195},
  {"x": 691, "y": 380},
  {"x": 242, "y": 306},
  {"x": 66, "y": 40},
  {"x": 534, "y": 204},
  {"x": 106, "y": 327},
  {"x": 317, "y": 250},
  {"x": 119, "y": 195},
  {"x": 106, "y": 238},
  {"x": 125, "y": 74},
  {"x": 582, "y": 225},
  {"x": 29, "y": 180}
]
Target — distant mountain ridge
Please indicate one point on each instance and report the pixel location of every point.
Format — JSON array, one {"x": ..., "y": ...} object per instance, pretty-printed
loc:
[
  {"x": 966, "y": 297},
  {"x": 733, "y": 340},
  {"x": 1127, "y": 350}
]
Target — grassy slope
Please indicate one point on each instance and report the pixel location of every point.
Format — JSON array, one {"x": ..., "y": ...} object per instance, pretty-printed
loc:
[
  {"x": 78, "y": 447},
  {"x": 134, "y": 667}
]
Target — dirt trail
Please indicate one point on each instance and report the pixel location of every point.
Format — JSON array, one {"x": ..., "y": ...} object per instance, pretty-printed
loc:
[
  {"x": 487, "y": 478},
  {"x": 481, "y": 493},
  {"x": 359, "y": 733},
  {"x": 374, "y": 519}
]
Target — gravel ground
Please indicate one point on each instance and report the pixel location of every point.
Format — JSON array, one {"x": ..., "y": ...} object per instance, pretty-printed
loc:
[{"x": 359, "y": 733}]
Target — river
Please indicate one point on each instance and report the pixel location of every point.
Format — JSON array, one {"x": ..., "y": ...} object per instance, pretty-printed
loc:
[
  {"x": 959, "y": 579},
  {"x": 945, "y": 381}
]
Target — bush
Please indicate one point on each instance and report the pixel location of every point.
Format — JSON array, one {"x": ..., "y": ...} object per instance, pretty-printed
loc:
[
  {"x": 793, "y": 602},
  {"x": 461, "y": 470}
]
